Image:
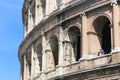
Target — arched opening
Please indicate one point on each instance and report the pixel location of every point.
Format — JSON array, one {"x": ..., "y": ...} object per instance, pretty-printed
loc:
[
  {"x": 106, "y": 38},
  {"x": 39, "y": 57},
  {"x": 103, "y": 31},
  {"x": 54, "y": 48},
  {"x": 28, "y": 63},
  {"x": 75, "y": 40}
]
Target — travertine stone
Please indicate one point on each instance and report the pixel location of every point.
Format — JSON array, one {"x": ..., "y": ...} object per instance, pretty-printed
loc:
[{"x": 70, "y": 40}]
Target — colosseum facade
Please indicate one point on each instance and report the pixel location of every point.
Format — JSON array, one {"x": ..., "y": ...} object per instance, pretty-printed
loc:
[{"x": 70, "y": 40}]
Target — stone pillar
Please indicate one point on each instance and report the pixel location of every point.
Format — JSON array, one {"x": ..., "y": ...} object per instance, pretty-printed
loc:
[
  {"x": 47, "y": 7},
  {"x": 29, "y": 20},
  {"x": 84, "y": 37},
  {"x": 116, "y": 27},
  {"x": 67, "y": 52},
  {"x": 62, "y": 4},
  {"x": 60, "y": 46},
  {"x": 60, "y": 52},
  {"x": 43, "y": 57},
  {"x": 22, "y": 68},
  {"x": 38, "y": 11},
  {"x": 32, "y": 62},
  {"x": 51, "y": 5},
  {"x": 25, "y": 69},
  {"x": 21, "y": 71}
]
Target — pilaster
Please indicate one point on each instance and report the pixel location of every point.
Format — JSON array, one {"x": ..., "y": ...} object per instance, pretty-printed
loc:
[
  {"x": 38, "y": 11},
  {"x": 62, "y": 4},
  {"x": 21, "y": 71},
  {"x": 29, "y": 20},
  {"x": 116, "y": 27},
  {"x": 61, "y": 54},
  {"x": 51, "y": 5},
  {"x": 84, "y": 37},
  {"x": 67, "y": 52},
  {"x": 25, "y": 70},
  {"x": 43, "y": 57},
  {"x": 32, "y": 62}
]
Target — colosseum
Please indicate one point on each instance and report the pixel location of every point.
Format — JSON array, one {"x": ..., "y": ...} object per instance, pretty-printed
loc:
[{"x": 70, "y": 40}]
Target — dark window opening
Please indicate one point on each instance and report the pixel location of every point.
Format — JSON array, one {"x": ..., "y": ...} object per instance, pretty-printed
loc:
[
  {"x": 54, "y": 47},
  {"x": 106, "y": 38},
  {"x": 78, "y": 48},
  {"x": 39, "y": 56},
  {"x": 103, "y": 31}
]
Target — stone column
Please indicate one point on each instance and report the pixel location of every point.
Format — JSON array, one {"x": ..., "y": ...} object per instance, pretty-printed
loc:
[
  {"x": 51, "y": 5},
  {"x": 21, "y": 70},
  {"x": 43, "y": 57},
  {"x": 29, "y": 20},
  {"x": 60, "y": 46},
  {"x": 62, "y": 4},
  {"x": 116, "y": 27},
  {"x": 67, "y": 52},
  {"x": 47, "y": 7},
  {"x": 38, "y": 11},
  {"x": 84, "y": 37},
  {"x": 32, "y": 62},
  {"x": 60, "y": 52},
  {"x": 25, "y": 70}
]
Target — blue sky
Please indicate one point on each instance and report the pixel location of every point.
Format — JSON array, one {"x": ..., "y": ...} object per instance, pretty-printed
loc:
[{"x": 11, "y": 35}]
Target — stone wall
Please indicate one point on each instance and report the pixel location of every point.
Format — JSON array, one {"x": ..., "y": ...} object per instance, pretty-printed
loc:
[{"x": 62, "y": 40}]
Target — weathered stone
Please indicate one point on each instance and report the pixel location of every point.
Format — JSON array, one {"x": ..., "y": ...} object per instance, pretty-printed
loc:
[{"x": 70, "y": 40}]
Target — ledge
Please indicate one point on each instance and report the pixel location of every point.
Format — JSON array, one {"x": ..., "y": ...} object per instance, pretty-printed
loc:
[{"x": 86, "y": 70}]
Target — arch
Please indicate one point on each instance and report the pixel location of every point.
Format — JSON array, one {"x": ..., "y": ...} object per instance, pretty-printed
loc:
[
  {"x": 74, "y": 25},
  {"x": 102, "y": 29},
  {"x": 54, "y": 48},
  {"x": 102, "y": 14},
  {"x": 75, "y": 42}
]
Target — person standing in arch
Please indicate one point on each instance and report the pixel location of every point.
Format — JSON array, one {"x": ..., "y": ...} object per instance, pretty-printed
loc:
[{"x": 101, "y": 52}]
